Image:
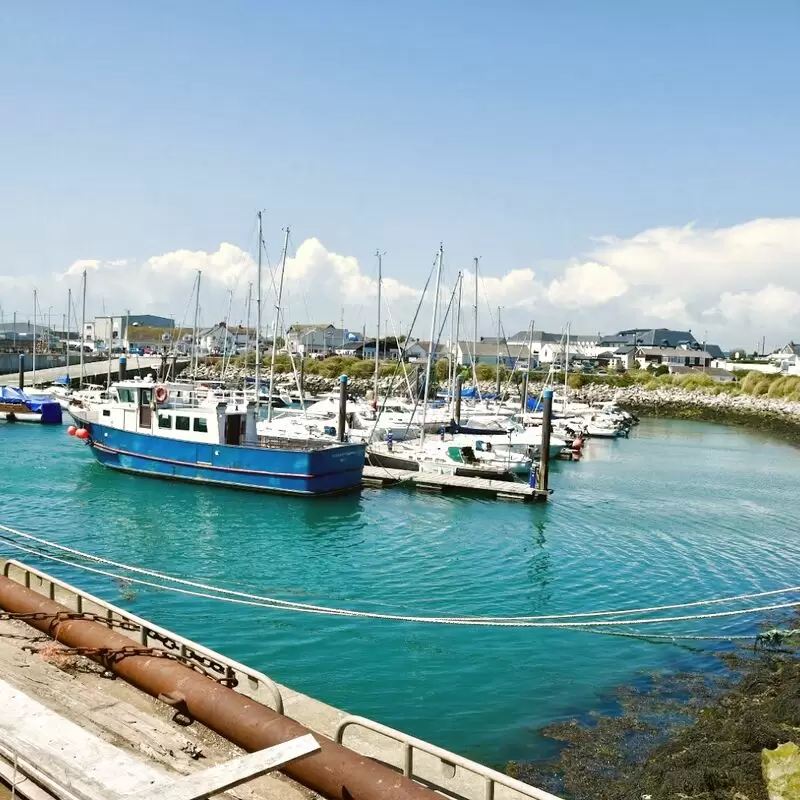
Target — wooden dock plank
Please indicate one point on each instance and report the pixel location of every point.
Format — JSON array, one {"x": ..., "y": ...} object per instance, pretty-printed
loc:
[{"x": 430, "y": 481}]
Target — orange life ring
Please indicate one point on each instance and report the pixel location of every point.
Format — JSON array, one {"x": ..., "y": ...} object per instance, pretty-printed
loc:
[{"x": 161, "y": 394}]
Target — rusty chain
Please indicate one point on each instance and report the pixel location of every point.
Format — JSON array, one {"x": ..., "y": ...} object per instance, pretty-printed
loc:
[{"x": 204, "y": 665}]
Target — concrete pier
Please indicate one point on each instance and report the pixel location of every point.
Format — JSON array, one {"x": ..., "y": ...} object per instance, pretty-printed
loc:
[{"x": 147, "y": 736}]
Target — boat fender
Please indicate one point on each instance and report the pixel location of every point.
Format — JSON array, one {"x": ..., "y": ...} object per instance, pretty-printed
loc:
[
  {"x": 161, "y": 394},
  {"x": 72, "y": 430},
  {"x": 82, "y": 433}
]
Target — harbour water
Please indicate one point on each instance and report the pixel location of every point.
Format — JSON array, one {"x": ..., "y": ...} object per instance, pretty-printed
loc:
[{"x": 681, "y": 511}]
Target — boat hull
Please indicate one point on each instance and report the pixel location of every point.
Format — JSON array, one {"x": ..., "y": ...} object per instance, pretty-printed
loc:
[{"x": 318, "y": 471}]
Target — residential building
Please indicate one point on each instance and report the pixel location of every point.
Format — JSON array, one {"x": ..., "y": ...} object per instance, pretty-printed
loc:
[
  {"x": 418, "y": 351},
  {"x": 511, "y": 356},
  {"x": 390, "y": 349},
  {"x": 549, "y": 347},
  {"x": 671, "y": 356},
  {"x": 318, "y": 339},
  {"x": 218, "y": 339}
]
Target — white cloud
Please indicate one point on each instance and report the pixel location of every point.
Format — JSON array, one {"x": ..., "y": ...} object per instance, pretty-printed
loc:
[
  {"x": 588, "y": 284},
  {"x": 724, "y": 280},
  {"x": 747, "y": 274},
  {"x": 770, "y": 303}
]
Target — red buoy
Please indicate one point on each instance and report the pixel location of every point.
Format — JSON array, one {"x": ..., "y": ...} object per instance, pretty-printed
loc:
[
  {"x": 82, "y": 433},
  {"x": 71, "y": 430}
]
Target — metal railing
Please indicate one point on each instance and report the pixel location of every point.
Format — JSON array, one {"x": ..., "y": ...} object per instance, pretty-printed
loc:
[
  {"x": 491, "y": 778},
  {"x": 248, "y": 681}
]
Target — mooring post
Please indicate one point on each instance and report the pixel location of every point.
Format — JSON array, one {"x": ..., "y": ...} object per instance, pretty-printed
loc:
[
  {"x": 21, "y": 370},
  {"x": 342, "y": 406},
  {"x": 457, "y": 408},
  {"x": 302, "y": 376},
  {"x": 544, "y": 456},
  {"x": 123, "y": 366}
]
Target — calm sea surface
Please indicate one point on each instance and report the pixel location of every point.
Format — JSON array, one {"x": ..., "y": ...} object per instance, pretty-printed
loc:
[{"x": 680, "y": 511}]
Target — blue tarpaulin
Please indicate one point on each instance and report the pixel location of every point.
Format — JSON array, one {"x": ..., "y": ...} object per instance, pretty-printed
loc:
[{"x": 38, "y": 404}]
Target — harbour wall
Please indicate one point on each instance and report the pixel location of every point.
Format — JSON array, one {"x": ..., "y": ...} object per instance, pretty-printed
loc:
[{"x": 9, "y": 362}]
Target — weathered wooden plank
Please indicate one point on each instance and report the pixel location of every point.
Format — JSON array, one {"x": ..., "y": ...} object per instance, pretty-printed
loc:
[{"x": 232, "y": 773}]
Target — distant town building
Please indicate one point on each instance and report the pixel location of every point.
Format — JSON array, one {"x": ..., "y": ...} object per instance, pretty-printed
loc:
[
  {"x": 123, "y": 327},
  {"x": 672, "y": 356},
  {"x": 319, "y": 339}
]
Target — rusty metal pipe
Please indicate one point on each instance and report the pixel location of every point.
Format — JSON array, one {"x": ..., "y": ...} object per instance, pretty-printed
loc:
[{"x": 335, "y": 771}]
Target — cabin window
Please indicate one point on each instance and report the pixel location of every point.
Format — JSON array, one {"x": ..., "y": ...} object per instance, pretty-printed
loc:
[
  {"x": 164, "y": 421},
  {"x": 201, "y": 425},
  {"x": 106, "y": 412},
  {"x": 126, "y": 396},
  {"x": 181, "y": 423}
]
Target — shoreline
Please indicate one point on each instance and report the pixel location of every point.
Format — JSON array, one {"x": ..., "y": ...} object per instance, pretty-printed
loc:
[{"x": 758, "y": 413}]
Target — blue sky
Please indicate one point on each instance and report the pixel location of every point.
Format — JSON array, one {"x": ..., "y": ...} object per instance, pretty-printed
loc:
[{"x": 517, "y": 131}]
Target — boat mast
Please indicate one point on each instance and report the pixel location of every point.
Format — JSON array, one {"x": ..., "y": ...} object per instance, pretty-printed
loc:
[
  {"x": 195, "y": 353},
  {"x": 258, "y": 322},
  {"x": 431, "y": 344},
  {"x": 566, "y": 370},
  {"x": 83, "y": 329},
  {"x": 378, "y": 336},
  {"x": 69, "y": 311},
  {"x": 109, "y": 348},
  {"x": 34, "y": 338},
  {"x": 247, "y": 329},
  {"x": 275, "y": 325},
  {"x": 498, "y": 353},
  {"x": 528, "y": 373},
  {"x": 460, "y": 281},
  {"x": 475, "y": 332}
]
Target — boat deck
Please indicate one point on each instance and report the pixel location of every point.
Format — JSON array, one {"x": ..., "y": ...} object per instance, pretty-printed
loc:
[{"x": 383, "y": 477}]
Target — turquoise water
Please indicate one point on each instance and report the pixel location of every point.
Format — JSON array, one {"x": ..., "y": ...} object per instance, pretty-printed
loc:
[{"x": 680, "y": 511}]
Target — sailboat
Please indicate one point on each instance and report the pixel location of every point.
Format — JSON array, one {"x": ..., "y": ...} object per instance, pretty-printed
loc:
[{"x": 439, "y": 455}]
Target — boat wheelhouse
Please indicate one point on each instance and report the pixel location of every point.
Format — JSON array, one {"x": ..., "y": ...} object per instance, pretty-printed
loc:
[{"x": 171, "y": 431}]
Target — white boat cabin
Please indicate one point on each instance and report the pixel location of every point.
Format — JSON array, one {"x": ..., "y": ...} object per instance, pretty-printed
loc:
[{"x": 177, "y": 411}]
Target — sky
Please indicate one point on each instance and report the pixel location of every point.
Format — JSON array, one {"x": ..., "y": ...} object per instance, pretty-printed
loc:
[{"x": 612, "y": 165}]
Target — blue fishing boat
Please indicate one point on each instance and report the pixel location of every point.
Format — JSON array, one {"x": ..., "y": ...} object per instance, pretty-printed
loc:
[
  {"x": 178, "y": 431},
  {"x": 18, "y": 406}
]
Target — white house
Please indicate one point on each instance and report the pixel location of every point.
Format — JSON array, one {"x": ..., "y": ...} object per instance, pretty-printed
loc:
[
  {"x": 418, "y": 351},
  {"x": 550, "y": 347},
  {"x": 217, "y": 340},
  {"x": 672, "y": 357},
  {"x": 318, "y": 339}
]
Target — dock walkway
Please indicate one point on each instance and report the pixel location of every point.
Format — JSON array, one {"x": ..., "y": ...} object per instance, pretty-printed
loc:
[
  {"x": 381, "y": 477},
  {"x": 92, "y": 370}
]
